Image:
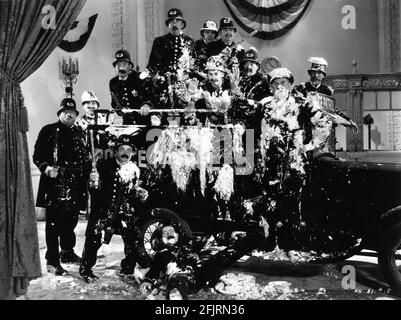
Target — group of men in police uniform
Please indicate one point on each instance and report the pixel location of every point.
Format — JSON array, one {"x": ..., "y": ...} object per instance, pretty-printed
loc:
[{"x": 62, "y": 151}]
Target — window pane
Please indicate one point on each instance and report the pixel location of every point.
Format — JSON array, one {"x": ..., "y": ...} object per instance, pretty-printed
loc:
[
  {"x": 369, "y": 100},
  {"x": 383, "y": 100},
  {"x": 385, "y": 131},
  {"x": 396, "y": 100}
]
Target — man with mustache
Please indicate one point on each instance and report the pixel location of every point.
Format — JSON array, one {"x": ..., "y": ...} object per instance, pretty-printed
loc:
[
  {"x": 226, "y": 42},
  {"x": 216, "y": 92},
  {"x": 167, "y": 49},
  {"x": 161, "y": 74},
  {"x": 116, "y": 203},
  {"x": 128, "y": 91},
  {"x": 252, "y": 88},
  {"x": 63, "y": 158},
  {"x": 317, "y": 73}
]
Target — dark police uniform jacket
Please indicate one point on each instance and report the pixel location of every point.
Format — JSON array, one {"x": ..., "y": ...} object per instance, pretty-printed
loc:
[
  {"x": 129, "y": 94},
  {"x": 166, "y": 51},
  {"x": 253, "y": 88},
  {"x": 305, "y": 88},
  {"x": 200, "y": 54},
  {"x": 68, "y": 190},
  {"x": 216, "y": 47},
  {"x": 304, "y": 118},
  {"x": 114, "y": 200}
]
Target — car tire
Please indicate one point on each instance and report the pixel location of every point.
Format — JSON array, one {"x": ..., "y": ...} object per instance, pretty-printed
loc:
[
  {"x": 156, "y": 219},
  {"x": 387, "y": 258}
]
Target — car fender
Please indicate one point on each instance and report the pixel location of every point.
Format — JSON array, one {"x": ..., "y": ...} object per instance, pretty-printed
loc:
[{"x": 390, "y": 218}]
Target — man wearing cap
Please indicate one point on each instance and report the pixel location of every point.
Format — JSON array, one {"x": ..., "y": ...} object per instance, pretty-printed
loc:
[
  {"x": 167, "y": 49},
  {"x": 282, "y": 166},
  {"x": 116, "y": 203},
  {"x": 209, "y": 34},
  {"x": 128, "y": 91},
  {"x": 252, "y": 88},
  {"x": 235, "y": 52},
  {"x": 216, "y": 92},
  {"x": 63, "y": 158},
  {"x": 317, "y": 73}
]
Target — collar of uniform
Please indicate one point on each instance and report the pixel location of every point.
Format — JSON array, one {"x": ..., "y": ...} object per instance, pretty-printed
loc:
[
  {"x": 63, "y": 126},
  {"x": 118, "y": 77},
  {"x": 227, "y": 45},
  {"x": 314, "y": 86},
  {"x": 177, "y": 36},
  {"x": 120, "y": 165}
]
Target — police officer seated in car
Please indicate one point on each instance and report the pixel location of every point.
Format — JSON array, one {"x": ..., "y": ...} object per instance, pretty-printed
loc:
[
  {"x": 251, "y": 88},
  {"x": 128, "y": 91},
  {"x": 216, "y": 93}
]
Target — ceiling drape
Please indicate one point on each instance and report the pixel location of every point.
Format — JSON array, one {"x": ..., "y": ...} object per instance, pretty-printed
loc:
[{"x": 271, "y": 18}]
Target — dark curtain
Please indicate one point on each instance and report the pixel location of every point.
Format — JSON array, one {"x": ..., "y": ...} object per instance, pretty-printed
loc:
[
  {"x": 272, "y": 19},
  {"x": 24, "y": 46}
]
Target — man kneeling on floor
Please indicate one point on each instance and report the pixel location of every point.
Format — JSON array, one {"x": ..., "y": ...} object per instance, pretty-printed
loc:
[{"x": 117, "y": 199}]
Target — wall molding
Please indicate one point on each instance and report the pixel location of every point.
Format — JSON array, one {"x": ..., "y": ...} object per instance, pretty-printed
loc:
[
  {"x": 119, "y": 25},
  {"x": 389, "y": 12},
  {"x": 154, "y": 18},
  {"x": 135, "y": 24}
]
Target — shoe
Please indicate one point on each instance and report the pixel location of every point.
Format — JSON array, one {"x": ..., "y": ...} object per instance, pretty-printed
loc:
[
  {"x": 176, "y": 294},
  {"x": 87, "y": 274},
  {"x": 69, "y": 257},
  {"x": 56, "y": 269}
]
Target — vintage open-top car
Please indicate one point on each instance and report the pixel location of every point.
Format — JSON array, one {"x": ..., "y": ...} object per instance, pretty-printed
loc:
[{"x": 346, "y": 206}]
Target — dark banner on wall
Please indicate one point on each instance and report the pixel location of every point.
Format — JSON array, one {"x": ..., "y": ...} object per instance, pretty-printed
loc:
[
  {"x": 77, "y": 37},
  {"x": 272, "y": 18}
]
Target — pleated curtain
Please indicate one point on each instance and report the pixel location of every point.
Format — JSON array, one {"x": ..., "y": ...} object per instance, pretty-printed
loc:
[{"x": 24, "y": 45}]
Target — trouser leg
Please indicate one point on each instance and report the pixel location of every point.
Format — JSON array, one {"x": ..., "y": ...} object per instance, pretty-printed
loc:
[
  {"x": 211, "y": 268},
  {"x": 184, "y": 282},
  {"x": 93, "y": 242},
  {"x": 130, "y": 238},
  {"x": 69, "y": 221},
  {"x": 52, "y": 235},
  {"x": 89, "y": 253}
]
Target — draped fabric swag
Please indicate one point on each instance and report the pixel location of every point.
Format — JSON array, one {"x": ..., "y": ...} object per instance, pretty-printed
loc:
[
  {"x": 24, "y": 46},
  {"x": 272, "y": 18}
]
